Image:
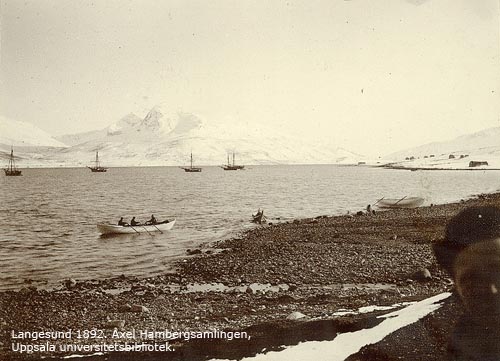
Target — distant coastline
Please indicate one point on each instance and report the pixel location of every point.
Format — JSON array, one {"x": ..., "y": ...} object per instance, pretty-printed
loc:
[
  {"x": 72, "y": 166},
  {"x": 389, "y": 166}
]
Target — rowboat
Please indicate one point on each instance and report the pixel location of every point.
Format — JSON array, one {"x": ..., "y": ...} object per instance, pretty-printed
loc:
[
  {"x": 405, "y": 202},
  {"x": 115, "y": 229},
  {"x": 259, "y": 217}
]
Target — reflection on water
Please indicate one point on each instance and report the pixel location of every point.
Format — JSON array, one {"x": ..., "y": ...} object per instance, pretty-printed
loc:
[{"x": 48, "y": 217}]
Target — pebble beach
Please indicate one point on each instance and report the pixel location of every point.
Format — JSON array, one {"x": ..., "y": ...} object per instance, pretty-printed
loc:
[{"x": 280, "y": 283}]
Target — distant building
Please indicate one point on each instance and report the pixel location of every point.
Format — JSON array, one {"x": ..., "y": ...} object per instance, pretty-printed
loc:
[
  {"x": 431, "y": 156},
  {"x": 425, "y": 157},
  {"x": 477, "y": 163},
  {"x": 451, "y": 156}
]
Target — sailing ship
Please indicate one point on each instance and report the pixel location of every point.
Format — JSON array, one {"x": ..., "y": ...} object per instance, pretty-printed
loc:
[
  {"x": 11, "y": 169},
  {"x": 97, "y": 167},
  {"x": 191, "y": 168},
  {"x": 233, "y": 166}
]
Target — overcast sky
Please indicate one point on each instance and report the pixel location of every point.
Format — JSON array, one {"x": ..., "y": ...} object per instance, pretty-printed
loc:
[{"x": 375, "y": 76}]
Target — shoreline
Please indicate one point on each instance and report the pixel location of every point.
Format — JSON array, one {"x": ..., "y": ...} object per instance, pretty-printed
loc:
[
  {"x": 204, "y": 248},
  {"x": 315, "y": 266},
  {"x": 388, "y": 165},
  {"x": 434, "y": 168}
]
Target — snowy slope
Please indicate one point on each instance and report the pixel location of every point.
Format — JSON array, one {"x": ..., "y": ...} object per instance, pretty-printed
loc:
[
  {"x": 456, "y": 153},
  {"x": 78, "y": 138},
  {"x": 166, "y": 137},
  {"x": 19, "y": 134}
]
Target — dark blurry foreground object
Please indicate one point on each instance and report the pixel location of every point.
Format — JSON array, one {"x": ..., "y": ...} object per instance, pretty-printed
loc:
[{"x": 470, "y": 252}]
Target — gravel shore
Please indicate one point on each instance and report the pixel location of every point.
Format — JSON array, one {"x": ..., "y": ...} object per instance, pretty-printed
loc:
[{"x": 309, "y": 268}]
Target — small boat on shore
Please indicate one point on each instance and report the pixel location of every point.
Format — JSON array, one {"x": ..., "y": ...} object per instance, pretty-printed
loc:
[
  {"x": 405, "y": 202},
  {"x": 146, "y": 228},
  {"x": 259, "y": 217},
  {"x": 11, "y": 169}
]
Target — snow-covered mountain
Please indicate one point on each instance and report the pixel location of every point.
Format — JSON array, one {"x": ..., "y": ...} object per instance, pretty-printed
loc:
[
  {"x": 165, "y": 137},
  {"x": 454, "y": 154},
  {"x": 22, "y": 134}
]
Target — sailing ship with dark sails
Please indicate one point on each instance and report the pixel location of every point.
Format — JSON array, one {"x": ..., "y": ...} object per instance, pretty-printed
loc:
[
  {"x": 97, "y": 168},
  {"x": 11, "y": 169}
]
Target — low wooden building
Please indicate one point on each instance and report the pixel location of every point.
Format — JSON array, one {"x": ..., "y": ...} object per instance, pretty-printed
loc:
[{"x": 477, "y": 163}]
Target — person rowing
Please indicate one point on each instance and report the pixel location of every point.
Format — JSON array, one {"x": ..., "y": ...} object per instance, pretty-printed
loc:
[
  {"x": 122, "y": 223},
  {"x": 152, "y": 220},
  {"x": 133, "y": 222}
]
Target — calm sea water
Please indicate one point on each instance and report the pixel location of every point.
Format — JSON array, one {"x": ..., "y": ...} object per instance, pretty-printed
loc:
[{"x": 48, "y": 217}]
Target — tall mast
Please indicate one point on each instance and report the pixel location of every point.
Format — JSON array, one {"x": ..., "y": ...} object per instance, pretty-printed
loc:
[
  {"x": 233, "y": 159},
  {"x": 11, "y": 161},
  {"x": 191, "y": 159}
]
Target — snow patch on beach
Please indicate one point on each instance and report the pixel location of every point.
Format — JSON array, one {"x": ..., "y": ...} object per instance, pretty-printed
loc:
[
  {"x": 346, "y": 344},
  {"x": 84, "y": 356},
  {"x": 369, "y": 309}
]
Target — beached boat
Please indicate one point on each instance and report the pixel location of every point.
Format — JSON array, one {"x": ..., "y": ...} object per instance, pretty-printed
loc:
[
  {"x": 11, "y": 169},
  {"x": 191, "y": 168},
  {"x": 259, "y": 217},
  {"x": 233, "y": 166},
  {"x": 97, "y": 167},
  {"x": 115, "y": 229},
  {"x": 405, "y": 202}
]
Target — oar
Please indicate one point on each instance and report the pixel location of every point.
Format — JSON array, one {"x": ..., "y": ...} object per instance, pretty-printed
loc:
[
  {"x": 128, "y": 225},
  {"x": 378, "y": 201},
  {"x": 134, "y": 229},
  {"x": 147, "y": 230},
  {"x": 399, "y": 200},
  {"x": 157, "y": 228}
]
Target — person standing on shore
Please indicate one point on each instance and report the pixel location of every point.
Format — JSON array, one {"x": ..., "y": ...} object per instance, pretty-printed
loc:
[{"x": 470, "y": 252}]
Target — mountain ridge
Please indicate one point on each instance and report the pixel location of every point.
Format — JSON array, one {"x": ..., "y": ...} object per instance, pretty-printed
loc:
[
  {"x": 17, "y": 133},
  {"x": 165, "y": 137}
]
